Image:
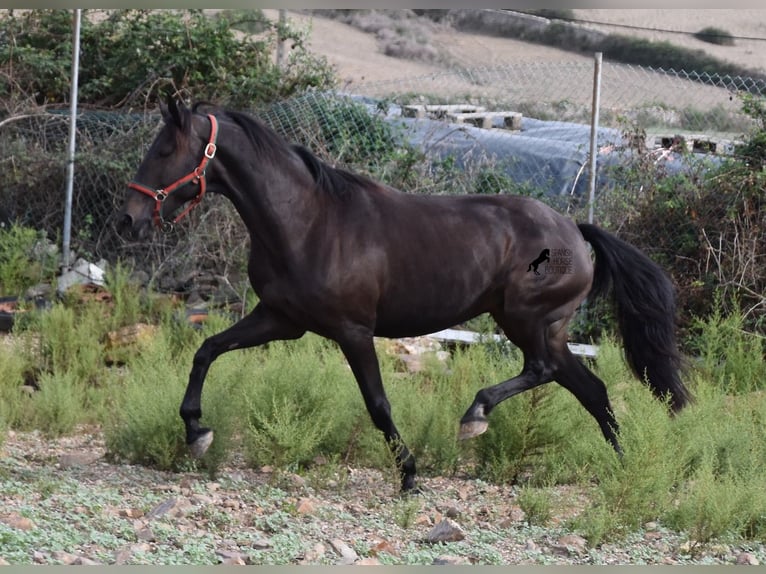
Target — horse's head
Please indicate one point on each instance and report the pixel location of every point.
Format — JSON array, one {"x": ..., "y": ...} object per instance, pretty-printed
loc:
[{"x": 172, "y": 173}]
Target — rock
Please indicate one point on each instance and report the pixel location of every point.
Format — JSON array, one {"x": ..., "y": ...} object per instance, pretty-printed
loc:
[
  {"x": 83, "y": 561},
  {"x": 17, "y": 521},
  {"x": 451, "y": 510},
  {"x": 261, "y": 544},
  {"x": 423, "y": 520},
  {"x": 125, "y": 554},
  {"x": 305, "y": 506},
  {"x": 64, "y": 558},
  {"x": 176, "y": 507},
  {"x": 450, "y": 561},
  {"x": 313, "y": 555},
  {"x": 4, "y": 562},
  {"x": 347, "y": 554},
  {"x": 75, "y": 459},
  {"x": 384, "y": 546},
  {"x": 747, "y": 559},
  {"x": 446, "y": 531},
  {"x": 367, "y": 562},
  {"x": 576, "y": 543},
  {"x": 146, "y": 534},
  {"x": 228, "y": 557}
]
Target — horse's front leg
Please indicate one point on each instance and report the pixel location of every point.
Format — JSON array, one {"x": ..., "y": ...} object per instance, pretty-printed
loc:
[
  {"x": 359, "y": 349},
  {"x": 260, "y": 326}
]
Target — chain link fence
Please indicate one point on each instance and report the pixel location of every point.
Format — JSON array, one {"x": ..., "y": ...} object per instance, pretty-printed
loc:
[{"x": 517, "y": 128}]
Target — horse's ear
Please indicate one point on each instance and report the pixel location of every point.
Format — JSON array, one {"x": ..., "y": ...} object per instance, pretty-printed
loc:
[{"x": 176, "y": 111}]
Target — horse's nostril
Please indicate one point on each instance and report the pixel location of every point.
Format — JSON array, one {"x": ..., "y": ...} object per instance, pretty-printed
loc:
[{"x": 124, "y": 223}]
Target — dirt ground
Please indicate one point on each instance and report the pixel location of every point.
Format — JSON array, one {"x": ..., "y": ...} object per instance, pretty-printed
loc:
[{"x": 358, "y": 58}]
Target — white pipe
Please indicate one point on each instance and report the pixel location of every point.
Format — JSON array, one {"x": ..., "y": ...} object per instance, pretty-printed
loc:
[
  {"x": 594, "y": 135},
  {"x": 72, "y": 132}
]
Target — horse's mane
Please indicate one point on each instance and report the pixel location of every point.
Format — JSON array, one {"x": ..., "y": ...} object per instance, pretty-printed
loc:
[{"x": 334, "y": 181}]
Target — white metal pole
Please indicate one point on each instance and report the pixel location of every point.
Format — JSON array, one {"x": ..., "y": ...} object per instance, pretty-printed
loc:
[
  {"x": 594, "y": 135},
  {"x": 280, "y": 38},
  {"x": 72, "y": 132}
]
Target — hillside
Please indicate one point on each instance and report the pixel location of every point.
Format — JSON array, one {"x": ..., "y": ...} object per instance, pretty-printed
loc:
[{"x": 358, "y": 56}]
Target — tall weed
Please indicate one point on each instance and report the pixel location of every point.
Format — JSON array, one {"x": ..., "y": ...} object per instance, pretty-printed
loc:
[
  {"x": 728, "y": 354},
  {"x": 146, "y": 428},
  {"x": 723, "y": 455},
  {"x": 24, "y": 259},
  {"x": 301, "y": 401},
  {"x": 59, "y": 406},
  {"x": 638, "y": 487}
]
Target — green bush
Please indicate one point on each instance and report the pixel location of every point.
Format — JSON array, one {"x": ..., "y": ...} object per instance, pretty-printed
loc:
[
  {"x": 129, "y": 53},
  {"x": 25, "y": 260},
  {"x": 713, "y": 35},
  {"x": 301, "y": 402},
  {"x": 145, "y": 427}
]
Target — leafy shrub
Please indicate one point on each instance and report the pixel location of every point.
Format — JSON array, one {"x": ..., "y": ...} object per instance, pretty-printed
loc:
[
  {"x": 25, "y": 259},
  {"x": 146, "y": 429},
  {"x": 713, "y": 35},
  {"x": 129, "y": 53},
  {"x": 727, "y": 353},
  {"x": 301, "y": 402}
]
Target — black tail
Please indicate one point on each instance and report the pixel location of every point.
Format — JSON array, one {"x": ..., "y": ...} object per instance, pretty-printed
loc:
[{"x": 645, "y": 304}]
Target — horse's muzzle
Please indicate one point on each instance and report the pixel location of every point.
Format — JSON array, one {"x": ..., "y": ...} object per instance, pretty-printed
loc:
[{"x": 132, "y": 229}]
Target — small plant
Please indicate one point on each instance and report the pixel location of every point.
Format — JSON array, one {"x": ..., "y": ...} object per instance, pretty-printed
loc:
[
  {"x": 25, "y": 259},
  {"x": 536, "y": 504},
  {"x": 713, "y": 35},
  {"x": 405, "y": 512},
  {"x": 59, "y": 406}
]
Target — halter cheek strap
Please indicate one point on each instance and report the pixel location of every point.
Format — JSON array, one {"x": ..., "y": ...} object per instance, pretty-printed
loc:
[{"x": 197, "y": 177}]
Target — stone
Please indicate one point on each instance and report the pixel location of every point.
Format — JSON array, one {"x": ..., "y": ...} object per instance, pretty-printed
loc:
[
  {"x": 305, "y": 506},
  {"x": 446, "y": 531},
  {"x": 76, "y": 459},
  {"x": 447, "y": 560},
  {"x": 17, "y": 521},
  {"x": 347, "y": 554},
  {"x": 747, "y": 559}
]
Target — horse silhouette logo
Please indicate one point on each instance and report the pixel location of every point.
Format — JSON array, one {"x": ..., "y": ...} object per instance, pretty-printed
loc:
[{"x": 544, "y": 256}]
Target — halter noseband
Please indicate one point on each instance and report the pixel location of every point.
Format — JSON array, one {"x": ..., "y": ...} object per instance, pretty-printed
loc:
[{"x": 196, "y": 177}]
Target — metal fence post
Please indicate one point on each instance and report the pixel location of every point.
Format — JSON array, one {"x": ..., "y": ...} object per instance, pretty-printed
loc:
[
  {"x": 594, "y": 135},
  {"x": 72, "y": 131}
]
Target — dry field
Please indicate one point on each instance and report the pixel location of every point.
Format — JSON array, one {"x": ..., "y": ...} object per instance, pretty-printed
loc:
[{"x": 358, "y": 57}]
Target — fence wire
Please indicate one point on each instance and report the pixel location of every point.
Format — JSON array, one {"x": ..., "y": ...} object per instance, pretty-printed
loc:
[{"x": 535, "y": 141}]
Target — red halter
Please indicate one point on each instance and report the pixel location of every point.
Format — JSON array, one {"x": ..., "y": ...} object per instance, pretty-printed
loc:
[{"x": 196, "y": 177}]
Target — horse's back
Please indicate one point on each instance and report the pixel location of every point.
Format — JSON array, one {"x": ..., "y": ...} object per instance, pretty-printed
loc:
[{"x": 444, "y": 259}]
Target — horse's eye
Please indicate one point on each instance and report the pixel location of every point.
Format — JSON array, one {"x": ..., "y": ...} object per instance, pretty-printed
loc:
[{"x": 165, "y": 150}]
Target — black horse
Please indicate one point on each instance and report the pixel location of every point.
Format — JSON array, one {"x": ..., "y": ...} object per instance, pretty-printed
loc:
[{"x": 343, "y": 256}]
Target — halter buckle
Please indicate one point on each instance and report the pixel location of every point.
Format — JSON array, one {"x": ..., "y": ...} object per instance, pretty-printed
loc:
[
  {"x": 210, "y": 150},
  {"x": 160, "y": 195},
  {"x": 166, "y": 226}
]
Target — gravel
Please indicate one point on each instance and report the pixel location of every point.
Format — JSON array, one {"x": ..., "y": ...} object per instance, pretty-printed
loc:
[{"x": 63, "y": 502}]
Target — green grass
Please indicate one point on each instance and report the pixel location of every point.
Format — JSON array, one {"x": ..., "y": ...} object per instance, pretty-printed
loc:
[{"x": 286, "y": 404}]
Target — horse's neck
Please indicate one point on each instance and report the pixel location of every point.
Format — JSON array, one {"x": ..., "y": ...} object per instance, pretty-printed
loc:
[{"x": 277, "y": 203}]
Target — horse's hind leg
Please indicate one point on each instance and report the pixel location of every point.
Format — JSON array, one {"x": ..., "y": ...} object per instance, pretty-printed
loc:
[
  {"x": 578, "y": 379},
  {"x": 359, "y": 350},
  {"x": 537, "y": 370},
  {"x": 260, "y": 326}
]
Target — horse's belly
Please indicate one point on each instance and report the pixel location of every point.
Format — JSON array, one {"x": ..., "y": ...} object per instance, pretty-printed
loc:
[{"x": 422, "y": 312}]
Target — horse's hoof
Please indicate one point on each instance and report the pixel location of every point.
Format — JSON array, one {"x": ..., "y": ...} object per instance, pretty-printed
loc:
[
  {"x": 471, "y": 429},
  {"x": 200, "y": 446}
]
